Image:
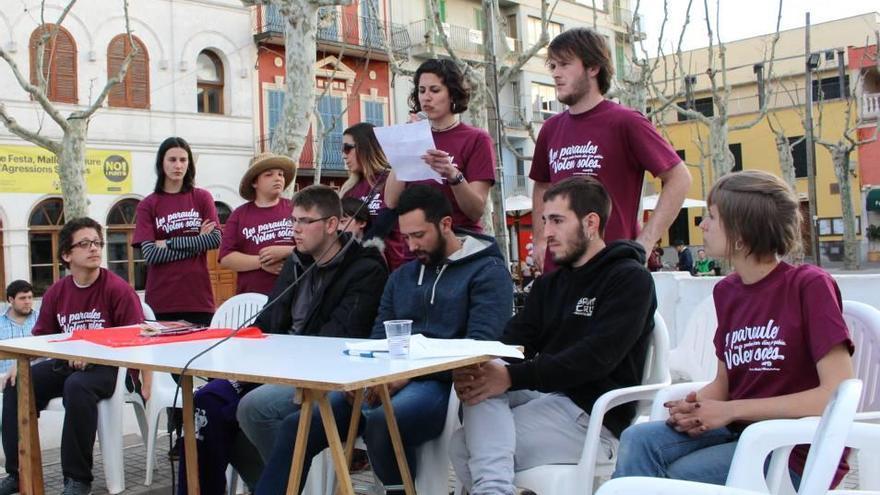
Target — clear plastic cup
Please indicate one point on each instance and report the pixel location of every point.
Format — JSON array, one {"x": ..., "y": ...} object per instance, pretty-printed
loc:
[{"x": 398, "y": 333}]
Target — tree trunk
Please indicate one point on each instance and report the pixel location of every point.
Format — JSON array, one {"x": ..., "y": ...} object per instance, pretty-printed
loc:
[
  {"x": 72, "y": 169},
  {"x": 786, "y": 160},
  {"x": 840, "y": 158},
  {"x": 722, "y": 158},
  {"x": 300, "y": 49}
]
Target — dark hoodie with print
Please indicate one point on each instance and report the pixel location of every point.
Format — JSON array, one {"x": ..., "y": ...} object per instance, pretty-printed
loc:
[
  {"x": 586, "y": 330},
  {"x": 468, "y": 295}
]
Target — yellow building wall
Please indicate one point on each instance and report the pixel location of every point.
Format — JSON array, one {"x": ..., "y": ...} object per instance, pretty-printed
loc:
[{"x": 759, "y": 153}]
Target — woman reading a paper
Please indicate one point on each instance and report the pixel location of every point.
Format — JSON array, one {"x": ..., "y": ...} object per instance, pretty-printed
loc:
[
  {"x": 464, "y": 157},
  {"x": 367, "y": 169}
]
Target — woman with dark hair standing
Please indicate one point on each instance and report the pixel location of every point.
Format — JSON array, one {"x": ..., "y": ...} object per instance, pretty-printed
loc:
[
  {"x": 367, "y": 169},
  {"x": 464, "y": 157},
  {"x": 175, "y": 227}
]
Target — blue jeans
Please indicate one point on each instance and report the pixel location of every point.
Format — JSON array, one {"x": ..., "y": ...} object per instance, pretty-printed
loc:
[
  {"x": 420, "y": 410},
  {"x": 655, "y": 449}
]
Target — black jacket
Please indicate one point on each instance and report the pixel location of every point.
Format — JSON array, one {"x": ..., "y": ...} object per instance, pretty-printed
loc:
[
  {"x": 586, "y": 330},
  {"x": 346, "y": 305}
]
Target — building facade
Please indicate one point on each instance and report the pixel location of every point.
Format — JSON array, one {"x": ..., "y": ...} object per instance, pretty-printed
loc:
[
  {"x": 838, "y": 83},
  {"x": 190, "y": 79},
  {"x": 352, "y": 80}
]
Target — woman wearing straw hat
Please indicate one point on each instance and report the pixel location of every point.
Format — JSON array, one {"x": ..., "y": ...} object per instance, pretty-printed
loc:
[{"x": 258, "y": 236}]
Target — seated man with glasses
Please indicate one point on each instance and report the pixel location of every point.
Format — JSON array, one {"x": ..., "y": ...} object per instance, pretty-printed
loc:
[
  {"x": 337, "y": 284},
  {"x": 90, "y": 297}
]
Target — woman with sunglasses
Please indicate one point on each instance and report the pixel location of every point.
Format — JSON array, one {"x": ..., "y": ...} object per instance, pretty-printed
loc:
[
  {"x": 367, "y": 169},
  {"x": 176, "y": 226},
  {"x": 464, "y": 157}
]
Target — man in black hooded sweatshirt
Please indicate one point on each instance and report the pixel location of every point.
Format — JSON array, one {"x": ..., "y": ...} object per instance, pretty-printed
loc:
[{"x": 585, "y": 329}]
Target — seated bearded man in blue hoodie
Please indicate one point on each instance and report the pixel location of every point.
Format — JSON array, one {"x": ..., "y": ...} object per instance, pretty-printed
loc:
[
  {"x": 457, "y": 287},
  {"x": 585, "y": 329}
]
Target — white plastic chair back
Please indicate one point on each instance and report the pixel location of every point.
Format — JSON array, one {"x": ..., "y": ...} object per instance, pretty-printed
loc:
[
  {"x": 238, "y": 309},
  {"x": 827, "y": 438},
  {"x": 579, "y": 478},
  {"x": 863, "y": 322},
  {"x": 693, "y": 358}
]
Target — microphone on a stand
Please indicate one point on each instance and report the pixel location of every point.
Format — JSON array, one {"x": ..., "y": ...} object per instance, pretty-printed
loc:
[{"x": 421, "y": 115}]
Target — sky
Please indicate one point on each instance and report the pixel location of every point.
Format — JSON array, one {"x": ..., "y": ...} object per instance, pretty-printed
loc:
[{"x": 739, "y": 18}]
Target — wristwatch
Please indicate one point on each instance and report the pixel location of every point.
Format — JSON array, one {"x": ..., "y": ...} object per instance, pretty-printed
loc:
[{"x": 458, "y": 179}]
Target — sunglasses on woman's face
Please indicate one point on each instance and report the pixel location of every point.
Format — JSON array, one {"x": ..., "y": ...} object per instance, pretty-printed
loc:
[{"x": 346, "y": 148}]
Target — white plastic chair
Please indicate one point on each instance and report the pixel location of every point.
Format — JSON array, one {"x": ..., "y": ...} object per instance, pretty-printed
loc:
[
  {"x": 433, "y": 461},
  {"x": 578, "y": 478},
  {"x": 863, "y": 322},
  {"x": 230, "y": 314},
  {"x": 110, "y": 429},
  {"x": 693, "y": 358},
  {"x": 238, "y": 309},
  {"x": 109, "y": 432},
  {"x": 828, "y": 437}
]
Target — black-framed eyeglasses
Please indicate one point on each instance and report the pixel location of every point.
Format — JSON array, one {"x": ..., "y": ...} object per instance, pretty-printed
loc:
[
  {"x": 305, "y": 221},
  {"x": 346, "y": 147},
  {"x": 87, "y": 243}
]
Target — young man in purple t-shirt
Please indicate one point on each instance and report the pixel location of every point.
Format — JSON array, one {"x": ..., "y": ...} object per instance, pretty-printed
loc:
[
  {"x": 258, "y": 236},
  {"x": 603, "y": 139},
  {"x": 90, "y": 297}
]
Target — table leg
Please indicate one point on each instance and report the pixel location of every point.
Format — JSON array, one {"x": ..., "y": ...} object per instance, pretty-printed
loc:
[
  {"x": 343, "y": 477},
  {"x": 353, "y": 425},
  {"x": 302, "y": 439},
  {"x": 189, "y": 436},
  {"x": 396, "y": 442},
  {"x": 30, "y": 460}
]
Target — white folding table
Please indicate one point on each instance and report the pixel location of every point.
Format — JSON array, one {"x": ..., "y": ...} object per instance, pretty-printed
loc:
[{"x": 314, "y": 365}]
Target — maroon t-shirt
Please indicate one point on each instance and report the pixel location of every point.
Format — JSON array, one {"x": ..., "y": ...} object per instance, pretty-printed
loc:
[
  {"x": 772, "y": 333},
  {"x": 108, "y": 302},
  {"x": 471, "y": 149},
  {"x": 249, "y": 229},
  {"x": 611, "y": 142},
  {"x": 395, "y": 249},
  {"x": 183, "y": 285}
]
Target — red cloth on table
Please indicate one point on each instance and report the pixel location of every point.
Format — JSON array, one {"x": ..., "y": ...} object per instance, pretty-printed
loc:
[{"x": 131, "y": 336}]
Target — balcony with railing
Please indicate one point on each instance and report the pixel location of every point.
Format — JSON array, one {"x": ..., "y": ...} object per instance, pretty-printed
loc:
[
  {"x": 467, "y": 42},
  {"x": 331, "y": 154},
  {"x": 517, "y": 185},
  {"x": 870, "y": 106},
  {"x": 335, "y": 29}
]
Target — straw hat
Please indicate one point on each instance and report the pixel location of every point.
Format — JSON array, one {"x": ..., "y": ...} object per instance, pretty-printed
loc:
[{"x": 261, "y": 163}]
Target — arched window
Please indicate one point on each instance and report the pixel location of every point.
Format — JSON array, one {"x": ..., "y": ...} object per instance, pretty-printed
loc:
[
  {"x": 59, "y": 63},
  {"x": 210, "y": 83},
  {"x": 122, "y": 258},
  {"x": 223, "y": 211},
  {"x": 134, "y": 90},
  {"x": 43, "y": 227}
]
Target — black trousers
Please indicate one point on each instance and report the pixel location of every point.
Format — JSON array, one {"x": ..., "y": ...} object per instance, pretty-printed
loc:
[{"x": 81, "y": 391}]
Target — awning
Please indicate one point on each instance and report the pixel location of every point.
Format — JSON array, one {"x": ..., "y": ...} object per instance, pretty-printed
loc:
[
  {"x": 518, "y": 202},
  {"x": 873, "y": 201},
  {"x": 650, "y": 202}
]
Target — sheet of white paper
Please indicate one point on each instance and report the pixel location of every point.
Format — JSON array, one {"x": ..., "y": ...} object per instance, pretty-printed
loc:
[
  {"x": 421, "y": 347},
  {"x": 404, "y": 145}
]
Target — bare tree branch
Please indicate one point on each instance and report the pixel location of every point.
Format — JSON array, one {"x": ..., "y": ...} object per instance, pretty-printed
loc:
[
  {"x": 120, "y": 75},
  {"x": 13, "y": 126},
  {"x": 508, "y": 73},
  {"x": 38, "y": 94}
]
